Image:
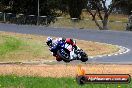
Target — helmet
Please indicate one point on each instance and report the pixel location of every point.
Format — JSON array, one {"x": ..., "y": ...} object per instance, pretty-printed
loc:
[{"x": 49, "y": 41}]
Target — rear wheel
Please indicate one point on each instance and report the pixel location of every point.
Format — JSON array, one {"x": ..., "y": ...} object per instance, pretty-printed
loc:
[
  {"x": 58, "y": 58},
  {"x": 65, "y": 55}
]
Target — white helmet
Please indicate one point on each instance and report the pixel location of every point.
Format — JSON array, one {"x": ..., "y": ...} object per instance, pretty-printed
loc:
[{"x": 49, "y": 41}]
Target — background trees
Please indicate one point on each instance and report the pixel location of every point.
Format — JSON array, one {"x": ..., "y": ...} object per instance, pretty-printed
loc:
[
  {"x": 125, "y": 6},
  {"x": 30, "y": 6},
  {"x": 47, "y": 7},
  {"x": 102, "y": 11},
  {"x": 74, "y": 8}
]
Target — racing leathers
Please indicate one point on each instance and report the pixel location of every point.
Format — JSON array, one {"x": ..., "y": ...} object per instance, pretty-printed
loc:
[{"x": 74, "y": 47}]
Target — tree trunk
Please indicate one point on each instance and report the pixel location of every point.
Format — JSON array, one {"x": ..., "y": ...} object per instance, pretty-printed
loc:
[
  {"x": 105, "y": 22},
  {"x": 100, "y": 28}
]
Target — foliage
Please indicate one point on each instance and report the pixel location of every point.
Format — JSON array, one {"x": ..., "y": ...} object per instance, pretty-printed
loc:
[
  {"x": 125, "y": 6},
  {"x": 51, "y": 8},
  {"x": 75, "y": 8},
  {"x": 102, "y": 11},
  {"x": 30, "y": 7}
]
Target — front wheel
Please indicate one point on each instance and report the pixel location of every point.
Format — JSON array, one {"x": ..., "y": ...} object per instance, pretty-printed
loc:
[{"x": 84, "y": 57}]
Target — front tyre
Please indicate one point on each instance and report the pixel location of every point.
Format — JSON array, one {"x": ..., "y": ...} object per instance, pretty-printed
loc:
[{"x": 84, "y": 57}]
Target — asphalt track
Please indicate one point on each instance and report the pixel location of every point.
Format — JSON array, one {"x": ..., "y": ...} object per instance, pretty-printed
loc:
[{"x": 122, "y": 38}]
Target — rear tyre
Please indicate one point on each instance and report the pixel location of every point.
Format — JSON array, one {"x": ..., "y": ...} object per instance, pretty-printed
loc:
[
  {"x": 65, "y": 59},
  {"x": 58, "y": 59}
]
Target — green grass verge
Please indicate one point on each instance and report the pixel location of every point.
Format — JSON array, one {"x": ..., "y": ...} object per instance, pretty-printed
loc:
[
  {"x": 9, "y": 44},
  {"x": 39, "y": 82},
  {"x": 19, "y": 49}
]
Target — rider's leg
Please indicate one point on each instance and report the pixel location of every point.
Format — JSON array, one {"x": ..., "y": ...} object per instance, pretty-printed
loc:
[{"x": 72, "y": 55}]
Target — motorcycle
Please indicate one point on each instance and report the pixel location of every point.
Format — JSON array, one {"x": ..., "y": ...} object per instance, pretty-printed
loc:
[{"x": 62, "y": 50}]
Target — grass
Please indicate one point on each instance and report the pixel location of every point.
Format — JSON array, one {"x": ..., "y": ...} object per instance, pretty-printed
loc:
[
  {"x": 63, "y": 70},
  {"x": 10, "y": 44},
  {"x": 21, "y": 47},
  {"x": 18, "y": 49},
  {"x": 11, "y": 81},
  {"x": 89, "y": 24}
]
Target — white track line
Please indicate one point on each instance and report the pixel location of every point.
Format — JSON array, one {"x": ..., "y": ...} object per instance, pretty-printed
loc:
[{"x": 122, "y": 50}]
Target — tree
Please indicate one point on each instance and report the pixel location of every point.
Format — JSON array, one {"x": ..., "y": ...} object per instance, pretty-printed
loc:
[
  {"x": 47, "y": 7},
  {"x": 5, "y": 5},
  {"x": 129, "y": 6},
  {"x": 75, "y": 8},
  {"x": 102, "y": 11},
  {"x": 30, "y": 7},
  {"x": 125, "y": 6}
]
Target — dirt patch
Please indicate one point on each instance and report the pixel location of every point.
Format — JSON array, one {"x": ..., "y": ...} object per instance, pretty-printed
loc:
[{"x": 63, "y": 70}]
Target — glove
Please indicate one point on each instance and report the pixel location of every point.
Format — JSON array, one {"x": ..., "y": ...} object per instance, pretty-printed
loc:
[{"x": 75, "y": 47}]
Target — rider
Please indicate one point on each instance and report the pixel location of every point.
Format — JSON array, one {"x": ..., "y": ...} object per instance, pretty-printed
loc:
[
  {"x": 66, "y": 40},
  {"x": 73, "y": 43}
]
